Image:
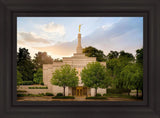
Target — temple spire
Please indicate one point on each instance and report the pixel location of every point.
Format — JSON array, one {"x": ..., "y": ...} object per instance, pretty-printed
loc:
[{"x": 79, "y": 47}]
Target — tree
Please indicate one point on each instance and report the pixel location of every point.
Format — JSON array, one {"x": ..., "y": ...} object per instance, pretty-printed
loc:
[
  {"x": 38, "y": 76},
  {"x": 24, "y": 62},
  {"x": 116, "y": 65},
  {"x": 19, "y": 78},
  {"x": 58, "y": 60},
  {"x": 42, "y": 58},
  {"x": 139, "y": 56},
  {"x": 132, "y": 77},
  {"x": 112, "y": 54},
  {"x": 126, "y": 56},
  {"x": 93, "y": 52},
  {"x": 65, "y": 76},
  {"x": 139, "y": 61},
  {"x": 94, "y": 75}
]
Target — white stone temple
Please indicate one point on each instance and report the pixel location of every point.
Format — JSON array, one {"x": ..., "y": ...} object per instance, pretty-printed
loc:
[{"x": 78, "y": 61}]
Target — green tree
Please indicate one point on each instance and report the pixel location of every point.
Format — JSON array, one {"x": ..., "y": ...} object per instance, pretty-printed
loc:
[
  {"x": 38, "y": 76},
  {"x": 112, "y": 54},
  {"x": 94, "y": 75},
  {"x": 93, "y": 52},
  {"x": 139, "y": 56},
  {"x": 126, "y": 56},
  {"x": 25, "y": 65},
  {"x": 19, "y": 78},
  {"x": 132, "y": 77},
  {"x": 116, "y": 65},
  {"x": 41, "y": 58},
  {"x": 65, "y": 76}
]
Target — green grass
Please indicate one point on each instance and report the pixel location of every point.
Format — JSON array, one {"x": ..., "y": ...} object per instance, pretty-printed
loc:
[
  {"x": 63, "y": 97},
  {"x": 97, "y": 97},
  {"x": 122, "y": 96}
]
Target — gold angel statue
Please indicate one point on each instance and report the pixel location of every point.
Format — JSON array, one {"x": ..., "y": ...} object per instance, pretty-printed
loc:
[{"x": 80, "y": 27}]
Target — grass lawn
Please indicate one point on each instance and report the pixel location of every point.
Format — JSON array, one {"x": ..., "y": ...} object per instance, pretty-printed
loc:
[
  {"x": 63, "y": 97},
  {"x": 122, "y": 96},
  {"x": 97, "y": 97}
]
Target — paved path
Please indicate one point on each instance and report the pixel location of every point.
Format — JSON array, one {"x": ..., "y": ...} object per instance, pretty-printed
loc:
[{"x": 49, "y": 98}]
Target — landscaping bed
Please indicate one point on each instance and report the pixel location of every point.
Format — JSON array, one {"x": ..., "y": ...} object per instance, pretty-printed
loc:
[
  {"x": 63, "y": 97},
  {"x": 97, "y": 97}
]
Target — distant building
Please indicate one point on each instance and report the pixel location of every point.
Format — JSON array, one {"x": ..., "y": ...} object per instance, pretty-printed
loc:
[{"x": 78, "y": 61}]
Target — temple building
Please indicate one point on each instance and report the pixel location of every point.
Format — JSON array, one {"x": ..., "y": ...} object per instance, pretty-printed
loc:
[{"x": 78, "y": 61}]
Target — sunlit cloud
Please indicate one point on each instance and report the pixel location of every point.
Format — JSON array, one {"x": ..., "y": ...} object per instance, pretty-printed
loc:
[
  {"x": 31, "y": 37},
  {"x": 53, "y": 28}
]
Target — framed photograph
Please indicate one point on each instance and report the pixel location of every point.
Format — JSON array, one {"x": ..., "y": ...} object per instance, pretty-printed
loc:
[
  {"x": 79, "y": 59},
  {"x": 92, "y": 73}
]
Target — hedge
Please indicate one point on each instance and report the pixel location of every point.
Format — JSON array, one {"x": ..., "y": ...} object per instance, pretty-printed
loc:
[
  {"x": 38, "y": 87},
  {"x": 116, "y": 91},
  {"x": 98, "y": 94},
  {"x": 32, "y": 95},
  {"x": 49, "y": 94},
  {"x": 59, "y": 94},
  {"x": 63, "y": 97}
]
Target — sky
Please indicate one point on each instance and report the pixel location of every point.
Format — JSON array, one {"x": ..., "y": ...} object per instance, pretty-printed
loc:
[{"x": 58, "y": 35}]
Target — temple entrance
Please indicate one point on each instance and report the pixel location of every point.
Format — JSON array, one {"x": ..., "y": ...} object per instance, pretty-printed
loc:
[{"x": 79, "y": 91}]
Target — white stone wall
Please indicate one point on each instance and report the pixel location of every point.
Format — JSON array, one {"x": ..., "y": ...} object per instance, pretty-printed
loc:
[
  {"x": 99, "y": 90},
  {"x": 57, "y": 89}
]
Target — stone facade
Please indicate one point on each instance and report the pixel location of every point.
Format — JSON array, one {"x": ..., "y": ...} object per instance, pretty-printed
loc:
[{"x": 78, "y": 61}]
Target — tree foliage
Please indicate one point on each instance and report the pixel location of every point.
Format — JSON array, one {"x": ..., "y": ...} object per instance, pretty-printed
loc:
[
  {"x": 132, "y": 77},
  {"x": 41, "y": 58},
  {"x": 139, "y": 56},
  {"x": 112, "y": 55},
  {"x": 116, "y": 65},
  {"x": 38, "y": 76},
  {"x": 93, "y": 52},
  {"x": 25, "y": 65},
  {"x": 65, "y": 76},
  {"x": 94, "y": 75},
  {"x": 19, "y": 78}
]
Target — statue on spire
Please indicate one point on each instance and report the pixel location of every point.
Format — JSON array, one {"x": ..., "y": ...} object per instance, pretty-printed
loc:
[{"x": 80, "y": 27}]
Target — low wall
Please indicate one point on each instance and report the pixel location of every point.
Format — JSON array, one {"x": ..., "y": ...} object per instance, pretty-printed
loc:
[{"x": 32, "y": 91}]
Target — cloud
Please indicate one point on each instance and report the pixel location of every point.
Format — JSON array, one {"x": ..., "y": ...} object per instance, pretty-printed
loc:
[
  {"x": 53, "y": 28},
  {"x": 126, "y": 34},
  {"x": 30, "y": 38},
  {"x": 60, "y": 49}
]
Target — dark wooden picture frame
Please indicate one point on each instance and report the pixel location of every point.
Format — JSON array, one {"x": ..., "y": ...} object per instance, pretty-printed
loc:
[{"x": 148, "y": 108}]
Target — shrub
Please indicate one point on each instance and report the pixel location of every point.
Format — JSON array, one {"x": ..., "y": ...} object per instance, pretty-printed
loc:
[
  {"x": 116, "y": 91},
  {"x": 36, "y": 95},
  {"x": 38, "y": 87},
  {"x": 49, "y": 94},
  {"x": 21, "y": 95},
  {"x": 63, "y": 97},
  {"x": 26, "y": 83},
  {"x": 98, "y": 94},
  {"x": 59, "y": 94},
  {"x": 42, "y": 83},
  {"x": 104, "y": 94},
  {"x": 97, "y": 97}
]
